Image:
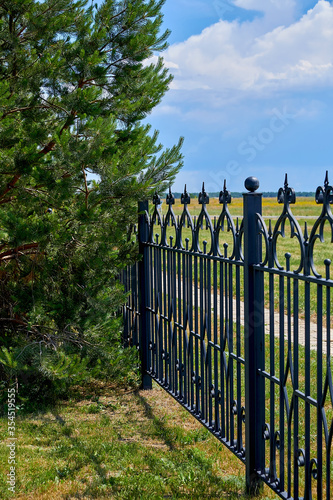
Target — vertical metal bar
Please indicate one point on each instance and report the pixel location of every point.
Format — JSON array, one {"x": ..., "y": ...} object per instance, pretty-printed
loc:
[
  {"x": 183, "y": 361},
  {"x": 281, "y": 375},
  {"x": 231, "y": 350},
  {"x": 175, "y": 291},
  {"x": 222, "y": 351},
  {"x": 143, "y": 331},
  {"x": 160, "y": 305},
  {"x": 328, "y": 367},
  {"x": 151, "y": 274},
  {"x": 226, "y": 329},
  {"x": 190, "y": 326},
  {"x": 180, "y": 323},
  {"x": 254, "y": 340},
  {"x": 170, "y": 312},
  {"x": 319, "y": 390},
  {"x": 289, "y": 453},
  {"x": 239, "y": 366},
  {"x": 125, "y": 310},
  {"x": 196, "y": 342},
  {"x": 216, "y": 353},
  {"x": 204, "y": 390},
  {"x": 296, "y": 386},
  {"x": 165, "y": 316},
  {"x": 133, "y": 287},
  {"x": 156, "y": 311},
  {"x": 209, "y": 347},
  {"x": 272, "y": 470},
  {"x": 202, "y": 358},
  {"x": 307, "y": 390}
]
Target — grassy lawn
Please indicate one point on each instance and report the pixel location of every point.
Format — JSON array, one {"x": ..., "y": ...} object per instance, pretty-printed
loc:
[{"x": 109, "y": 443}]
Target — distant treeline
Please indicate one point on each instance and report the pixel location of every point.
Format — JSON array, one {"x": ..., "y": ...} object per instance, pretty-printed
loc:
[{"x": 266, "y": 194}]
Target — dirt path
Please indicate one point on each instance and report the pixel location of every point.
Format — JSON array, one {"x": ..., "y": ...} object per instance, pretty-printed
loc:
[
  {"x": 301, "y": 323},
  {"x": 301, "y": 327}
]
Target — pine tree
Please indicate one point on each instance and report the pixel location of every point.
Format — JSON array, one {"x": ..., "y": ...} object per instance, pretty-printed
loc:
[{"x": 76, "y": 84}]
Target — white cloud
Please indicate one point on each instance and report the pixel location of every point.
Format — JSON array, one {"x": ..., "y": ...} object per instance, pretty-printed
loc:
[
  {"x": 166, "y": 109},
  {"x": 258, "y": 57},
  {"x": 267, "y": 6}
]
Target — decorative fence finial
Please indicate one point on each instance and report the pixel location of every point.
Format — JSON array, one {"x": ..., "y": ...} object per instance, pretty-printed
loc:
[
  {"x": 170, "y": 199},
  {"x": 324, "y": 195},
  {"x": 286, "y": 182},
  {"x": 203, "y": 198},
  {"x": 251, "y": 184},
  {"x": 156, "y": 199},
  {"x": 225, "y": 195},
  {"x": 185, "y": 198},
  {"x": 326, "y": 183},
  {"x": 287, "y": 194}
]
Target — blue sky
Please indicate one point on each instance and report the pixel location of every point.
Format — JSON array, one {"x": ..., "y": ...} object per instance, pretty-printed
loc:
[{"x": 252, "y": 92}]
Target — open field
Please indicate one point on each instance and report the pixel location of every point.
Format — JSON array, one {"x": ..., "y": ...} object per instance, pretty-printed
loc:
[{"x": 303, "y": 207}]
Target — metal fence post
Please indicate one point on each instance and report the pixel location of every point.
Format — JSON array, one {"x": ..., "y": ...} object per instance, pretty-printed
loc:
[
  {"x": 143, "y": 290},
  {"x": 254, "y": 340}
]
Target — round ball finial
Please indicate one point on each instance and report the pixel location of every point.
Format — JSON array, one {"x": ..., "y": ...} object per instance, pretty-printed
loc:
[{"x": 251, "y": 184}]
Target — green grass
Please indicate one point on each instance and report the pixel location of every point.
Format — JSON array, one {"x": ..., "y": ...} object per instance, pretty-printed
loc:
[{"x": 126, "y": 445}]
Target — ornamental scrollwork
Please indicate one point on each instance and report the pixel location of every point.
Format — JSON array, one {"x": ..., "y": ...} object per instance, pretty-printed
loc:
[
  {"x": 287, "y": 196},
  {"x": 156, "y": 218},
  {"x": 324, "y": 196},
  {"x": 185, "y": 220},
  {"x": 204, "y": 217},
  {"x": 225, "y": 199},
  {"x": 170, "y": 218}
]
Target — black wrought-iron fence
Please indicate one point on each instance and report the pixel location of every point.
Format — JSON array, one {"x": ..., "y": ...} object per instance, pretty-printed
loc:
[{"x": 238, "y": 338}]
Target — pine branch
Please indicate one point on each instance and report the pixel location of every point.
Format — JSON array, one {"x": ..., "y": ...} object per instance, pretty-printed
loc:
[
  {"x": 20, "y": 110},
  {"x": 23, "y": 250},
  {"x": 10, "y": 185}
]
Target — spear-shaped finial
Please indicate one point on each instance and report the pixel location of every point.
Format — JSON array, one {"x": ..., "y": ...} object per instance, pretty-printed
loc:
[
  {"x": 203, "y": 198},
  {"x": 286, "y": 181},
  {"x": 326, "y": 179},
  {"x": 225, "y": 195},
  {"x": 286, "y": 194},
  {"x": 170, "y": 199},
  {"x": 185, "y": 198}
]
